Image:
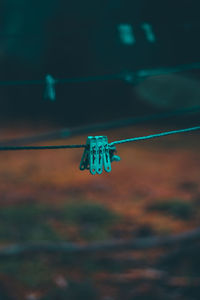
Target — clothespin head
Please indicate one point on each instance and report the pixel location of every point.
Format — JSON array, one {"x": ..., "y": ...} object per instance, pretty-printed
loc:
[
  {"x": 50, "y": 92},
  {"x": 98, "y": 154}
]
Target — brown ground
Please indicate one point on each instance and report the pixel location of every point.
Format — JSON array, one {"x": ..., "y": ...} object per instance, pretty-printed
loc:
[{"x": 149, "y": 172}]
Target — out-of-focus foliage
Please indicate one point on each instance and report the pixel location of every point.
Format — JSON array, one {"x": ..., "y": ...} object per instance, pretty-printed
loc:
[
  {"x": 26, "y": 222},
  {"x": 175, "y": 208},
  {"x": 93, "y": 219},
  {"x": 74, "y": 291}
]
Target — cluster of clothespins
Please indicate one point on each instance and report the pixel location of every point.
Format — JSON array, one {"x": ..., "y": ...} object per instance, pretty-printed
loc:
[{"x": 98, "y": 155}]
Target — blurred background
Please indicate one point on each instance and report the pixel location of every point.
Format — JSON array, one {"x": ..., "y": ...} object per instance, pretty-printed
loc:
[
  {"x": 79, "y": 39},
  {"x": 153, "y": 191}
]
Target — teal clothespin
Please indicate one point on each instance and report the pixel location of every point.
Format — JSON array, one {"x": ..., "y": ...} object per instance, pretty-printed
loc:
[
  {"x": 50, "y": 92},
  {"x": 148, "y": 29},
  {"x": 98, "y": 155},
  {"x": 126, "y": 34}
]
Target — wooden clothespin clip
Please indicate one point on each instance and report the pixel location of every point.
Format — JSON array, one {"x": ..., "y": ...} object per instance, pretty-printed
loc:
[
  {"x": 98, "y": 155},
  {"x": 50, "y": 92}
]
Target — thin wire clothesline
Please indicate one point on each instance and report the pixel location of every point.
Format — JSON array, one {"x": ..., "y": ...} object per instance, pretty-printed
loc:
[
  {"x": 62, "y": 80},
  {"x": 147, "y": 137},
  {"x": 16, "y": 148},
  {"x": 129, "y": 76}
]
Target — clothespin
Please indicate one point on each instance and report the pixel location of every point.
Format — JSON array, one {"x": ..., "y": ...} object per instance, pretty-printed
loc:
[
  {"x": 148, "y": 29},
  {"x": 126, "y": 34},
  {"x": 97, "y": 155},
  {"x": 50, "y": 92}
]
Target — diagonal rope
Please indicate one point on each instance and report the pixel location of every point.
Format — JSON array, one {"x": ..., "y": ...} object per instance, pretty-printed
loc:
[{"x": 152, "y": 136}]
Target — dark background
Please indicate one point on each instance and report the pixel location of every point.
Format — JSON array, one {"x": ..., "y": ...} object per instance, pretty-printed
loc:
[
  {"x": 80, "y": 38},
  {"x": 153, "y": 192}
]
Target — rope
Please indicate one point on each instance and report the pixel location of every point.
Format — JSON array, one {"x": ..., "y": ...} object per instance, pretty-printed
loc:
[
  {"x": 127, "y": 76},
  {"x": 152, "y": 136},
  {"x": 64, "y": 80},
  {"x": 162, "y": 71},
  {"x": 14, "y": 148}
]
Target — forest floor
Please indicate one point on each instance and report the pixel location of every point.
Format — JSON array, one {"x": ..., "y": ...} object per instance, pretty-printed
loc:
[{"x": 153, "y": 190}]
